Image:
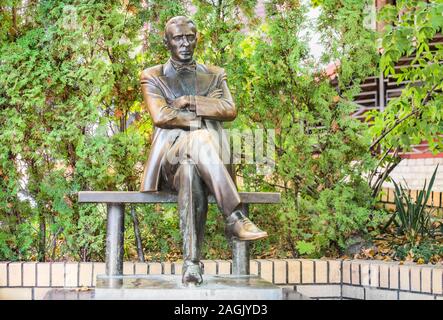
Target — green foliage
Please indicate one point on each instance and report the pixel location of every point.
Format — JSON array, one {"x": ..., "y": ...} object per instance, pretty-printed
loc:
[
  {"x": 416, "y": 115},
  {"x": 304, "y": 247},
  {"x": 410, "y": 58},
  {"x": 418, "y": 232},
  {"x": 321, "y": 151},
  {"x": 69, "y": 89},
  {"x": 342, "y": 213},
  {"x": 415, "y": 220},
  {"x": 422, "y": 252}
]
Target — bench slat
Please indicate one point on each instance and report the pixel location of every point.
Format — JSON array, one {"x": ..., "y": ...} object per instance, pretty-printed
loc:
[{"x": 164, "y": 197}]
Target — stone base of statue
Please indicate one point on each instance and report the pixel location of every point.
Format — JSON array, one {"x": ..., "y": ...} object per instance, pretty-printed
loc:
[
  {"x": 170, "y": 287},
  {"x": 167, "y": 287}
]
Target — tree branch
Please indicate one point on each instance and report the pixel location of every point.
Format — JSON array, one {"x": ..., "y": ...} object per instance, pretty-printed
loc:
[
  {"x": 378, "y": 165},
  {"x": 399, "y": 121},
  {"x": 379, "y": 183},
  {"x": 396, "y": 124}
]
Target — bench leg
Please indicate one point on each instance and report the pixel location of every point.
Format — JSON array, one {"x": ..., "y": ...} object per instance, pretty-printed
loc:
[
  {"x": 114, "y": 239},
  {"x": 240, "y": 253}
]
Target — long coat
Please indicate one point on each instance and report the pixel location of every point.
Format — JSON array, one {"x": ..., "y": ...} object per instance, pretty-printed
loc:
[{"x": 160, "y": 86}]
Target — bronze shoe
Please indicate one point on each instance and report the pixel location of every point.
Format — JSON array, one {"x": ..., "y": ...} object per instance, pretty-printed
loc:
[
  {"x": 192, "y": 273},
  {"x": 239, "y": 227}
]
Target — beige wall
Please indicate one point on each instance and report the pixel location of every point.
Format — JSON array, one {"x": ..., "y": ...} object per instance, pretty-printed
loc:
[
  {"x": 319, "y": 279},
  {"x": 416, "y": 171}
]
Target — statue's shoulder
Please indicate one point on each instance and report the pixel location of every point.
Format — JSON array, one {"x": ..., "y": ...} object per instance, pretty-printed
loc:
[
  {"x": 152, "y": 72},
  {"x": 212, "y": 69}
]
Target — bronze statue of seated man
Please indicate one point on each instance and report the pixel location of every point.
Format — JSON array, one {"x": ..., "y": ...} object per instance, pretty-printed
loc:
[{"x": 188, "y": 102}]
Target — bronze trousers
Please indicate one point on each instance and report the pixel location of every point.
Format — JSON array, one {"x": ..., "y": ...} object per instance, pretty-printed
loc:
[{"x": 192, "y": 166}]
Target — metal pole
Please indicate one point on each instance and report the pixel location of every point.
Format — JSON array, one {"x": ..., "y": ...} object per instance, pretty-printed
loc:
[
  {"x": 114, "y": 239},
  {"x": 240, "y": 253}
]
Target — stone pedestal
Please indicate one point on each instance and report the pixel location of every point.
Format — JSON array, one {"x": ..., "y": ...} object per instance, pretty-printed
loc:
[{"x": 170, "y": 287}]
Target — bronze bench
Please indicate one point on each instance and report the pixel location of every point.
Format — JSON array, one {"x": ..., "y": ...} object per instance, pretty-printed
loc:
[{"x": 116, "y": 201}]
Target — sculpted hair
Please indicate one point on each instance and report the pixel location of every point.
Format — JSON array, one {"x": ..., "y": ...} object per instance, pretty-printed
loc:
[{"x": 179, "y": 20}]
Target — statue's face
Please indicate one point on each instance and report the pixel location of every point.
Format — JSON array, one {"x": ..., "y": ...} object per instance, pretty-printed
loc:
[{"x": 181, "y": 40}]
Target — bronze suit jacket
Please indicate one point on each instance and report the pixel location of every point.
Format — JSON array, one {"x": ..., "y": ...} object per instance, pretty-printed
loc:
[{"x": 159, "y": 87}]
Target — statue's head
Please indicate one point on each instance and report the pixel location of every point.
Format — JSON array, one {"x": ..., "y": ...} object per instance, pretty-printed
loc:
[{"x": 181, "y": 38}]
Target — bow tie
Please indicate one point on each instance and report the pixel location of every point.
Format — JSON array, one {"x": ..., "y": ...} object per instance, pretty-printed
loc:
[{"x": 184, "y": 67}]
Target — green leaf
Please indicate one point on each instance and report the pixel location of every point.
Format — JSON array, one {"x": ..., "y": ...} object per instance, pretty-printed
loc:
[{"x": 304, "y": 247}]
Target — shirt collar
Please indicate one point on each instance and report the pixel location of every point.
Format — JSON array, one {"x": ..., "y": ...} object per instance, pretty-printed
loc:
[{"x": 184, "y": 66}]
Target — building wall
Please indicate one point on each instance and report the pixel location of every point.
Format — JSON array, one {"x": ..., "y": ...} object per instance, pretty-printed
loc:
[
  {"x": 416, "y": 171},
  {"x": 317, "y": 279}
]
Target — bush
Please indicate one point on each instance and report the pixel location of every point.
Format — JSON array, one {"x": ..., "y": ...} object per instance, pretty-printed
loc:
[
  {"x": 412, "y": 216},
  {"x": 423, "y": 252},
  {"x": 66, "y": 124}
]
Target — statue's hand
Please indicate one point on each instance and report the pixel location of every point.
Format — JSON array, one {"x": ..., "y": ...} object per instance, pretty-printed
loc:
[
  {"x": 217, "y": 93},
  {"x": 181, "y": 103}
]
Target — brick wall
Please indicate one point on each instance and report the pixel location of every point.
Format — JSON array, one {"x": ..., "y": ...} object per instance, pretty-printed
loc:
[
  {"x": 318, "y": 279},
  {"x": 435, "y": 200},
  {"x": 371, "y": 280},
  {"x": 416, "y": 171}
]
